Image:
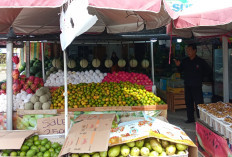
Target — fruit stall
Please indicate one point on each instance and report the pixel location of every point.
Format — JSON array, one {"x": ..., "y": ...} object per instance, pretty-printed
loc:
[
  {"x": 128, "y": 96},
  {"x": 140, "y": 137}
]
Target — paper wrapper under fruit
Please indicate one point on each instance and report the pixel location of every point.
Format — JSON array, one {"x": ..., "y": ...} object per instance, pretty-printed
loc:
[
  {"x": 150, "y": 127},
  {"x": 122, "y": 114}
]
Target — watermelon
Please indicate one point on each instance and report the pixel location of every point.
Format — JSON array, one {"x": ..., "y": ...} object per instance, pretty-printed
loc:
[
  {"x": 38, "y": 66},
  {"x": 39, "y": 74},
  {"x": 23, "y": 64},
  {"x": 21, "y": 68},
  {"x": 50, "y": 64},
  {"x": 33, "y": 70},
  {"x": 31, "y": 63}
]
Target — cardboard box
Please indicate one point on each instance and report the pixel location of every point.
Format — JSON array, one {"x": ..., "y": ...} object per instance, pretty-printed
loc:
[
  {"x": 90, "y": 134},
  {"x": 51, "y": 125},
  {"x": 13, "y": 139}
]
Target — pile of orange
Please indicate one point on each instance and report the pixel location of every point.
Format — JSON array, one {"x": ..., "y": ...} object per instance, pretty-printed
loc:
[{"x": 103, "y": 95}]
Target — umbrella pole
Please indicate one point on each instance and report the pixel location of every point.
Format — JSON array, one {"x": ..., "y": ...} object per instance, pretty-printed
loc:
[
  {"x": 43, "y": 70},
  {"x": 9, "y": 91},
  {"x": 65, "y": 93},
  {"x": 225, "y": 69},
  {"x": 152, "y": 64},
  {"x": 27, "y": 58}
]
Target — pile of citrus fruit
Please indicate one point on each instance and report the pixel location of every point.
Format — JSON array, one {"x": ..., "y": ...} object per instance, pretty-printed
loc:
[
  {"x": 104, "y": 95},
  {"x": 36, "y": 147}
]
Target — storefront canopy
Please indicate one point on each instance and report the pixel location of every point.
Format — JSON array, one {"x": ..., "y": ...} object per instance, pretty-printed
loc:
[
  {"x": 30, "y": 17},
  {"x": 205, "y": 18},
  {"x": 42, "y": 16},
  {"x": 130, "y": 15},
  {"x": 116, "y": 16}
]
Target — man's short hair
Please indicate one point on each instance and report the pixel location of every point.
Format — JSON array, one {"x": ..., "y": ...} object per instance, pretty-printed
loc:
[{"x": 194, "y": 46}]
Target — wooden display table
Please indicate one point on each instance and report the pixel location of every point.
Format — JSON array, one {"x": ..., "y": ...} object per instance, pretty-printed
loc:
[
  {"x": 175, "y": 101},
  {"x": 119, "y": 108},
  {"x": 162, "y": 108}
]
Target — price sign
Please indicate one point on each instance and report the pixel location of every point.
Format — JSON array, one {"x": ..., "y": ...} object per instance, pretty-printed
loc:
[{"x": 51, "y": 125}]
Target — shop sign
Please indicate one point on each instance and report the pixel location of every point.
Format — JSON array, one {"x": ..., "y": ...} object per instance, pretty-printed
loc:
[{"x": 179, "y": 5}]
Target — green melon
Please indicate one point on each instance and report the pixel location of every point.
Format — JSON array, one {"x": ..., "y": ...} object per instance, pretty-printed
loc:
[
  {"x": 56, "y": 63},
  {"x": 39, "y": 74},
  {"x": 33, "y": 70}
]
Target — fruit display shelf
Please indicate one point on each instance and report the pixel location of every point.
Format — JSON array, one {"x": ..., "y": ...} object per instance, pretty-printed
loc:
[
  {"x": 112, "y": 108},
  {"x": 36, "y": 112},
  {"x": 118, "y": 108}
]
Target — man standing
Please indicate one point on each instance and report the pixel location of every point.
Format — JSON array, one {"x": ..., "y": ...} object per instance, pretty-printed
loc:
[{"x": 194, "y": 69}]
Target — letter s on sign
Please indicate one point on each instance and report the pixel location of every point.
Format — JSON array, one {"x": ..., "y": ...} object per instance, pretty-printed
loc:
[{"x": 176, "y": 7}]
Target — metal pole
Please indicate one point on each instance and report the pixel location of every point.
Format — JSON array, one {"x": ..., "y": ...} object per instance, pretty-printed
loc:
[
  {"x": 9, "y": 91},
  {"x": 43, "y": 71},
  {"x": 152, "y": 64},
  {"x": 65, "y": 93},
  {"x": 225, "y": 69},
  {"x": 27, "y": 58}
]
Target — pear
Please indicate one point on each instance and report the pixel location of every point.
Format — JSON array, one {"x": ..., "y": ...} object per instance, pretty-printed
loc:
[
  {"x": 103, "y": 154},
  {"x": 96, "y": 155},
  {"x": 171, "y": 149},
  {"x": 156, "y": 146},
  {"x": 135, "y": 151},
  {"x": 163, "y": 153},
  {"x": 154, "y": 154},
  {"x": 148, "y": 145},
  {"x": 125, "y": 150},
  {"x": 139, "y": 143},
  {"x": 130, "y": 144},
  {"x": 114, "y": 151},
  {"x": 144, "y": 151},
  {"x": 181, "y": 146},
  {"x": 164, "y": 143},
  {"x": 181, "y": 152}
]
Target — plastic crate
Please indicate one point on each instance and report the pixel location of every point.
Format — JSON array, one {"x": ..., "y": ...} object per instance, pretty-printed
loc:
[
  {"x": 214, "y": 123},
  {"x": 229, "y": 134},
  {"x": 223, "y": 128},
  {"x": 208, "y": 119},
  {"x": 202, "y": 114}
]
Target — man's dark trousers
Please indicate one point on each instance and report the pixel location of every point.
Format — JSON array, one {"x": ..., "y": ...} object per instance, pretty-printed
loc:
[{"x": 193, "y": 95}]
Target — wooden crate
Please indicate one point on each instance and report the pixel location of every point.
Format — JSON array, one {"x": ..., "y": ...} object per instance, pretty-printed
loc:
[{"x": 175, "y": 101}]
